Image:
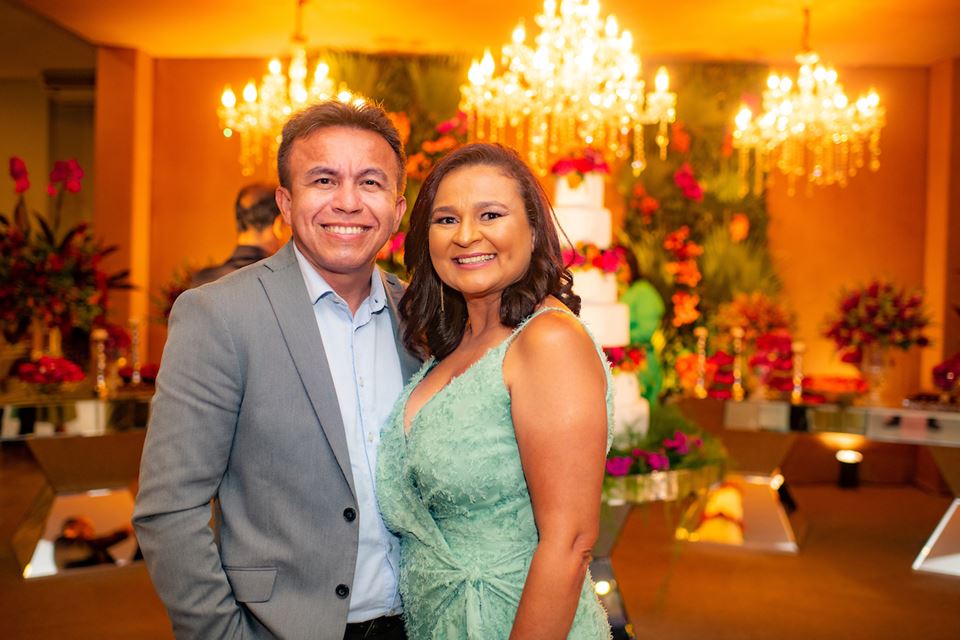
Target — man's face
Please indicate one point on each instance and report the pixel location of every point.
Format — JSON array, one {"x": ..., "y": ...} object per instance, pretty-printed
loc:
[{"x": 342, "y": 204}]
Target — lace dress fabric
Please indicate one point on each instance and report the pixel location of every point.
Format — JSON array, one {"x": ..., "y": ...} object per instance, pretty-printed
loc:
[{"x": 454, "y": 491}]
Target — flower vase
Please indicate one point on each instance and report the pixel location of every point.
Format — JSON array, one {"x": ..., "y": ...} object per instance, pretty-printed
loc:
[{"x": 873, "y": 368}]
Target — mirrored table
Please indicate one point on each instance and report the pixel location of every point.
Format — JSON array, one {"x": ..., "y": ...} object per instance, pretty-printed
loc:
[{"x": 88, "y": 451}]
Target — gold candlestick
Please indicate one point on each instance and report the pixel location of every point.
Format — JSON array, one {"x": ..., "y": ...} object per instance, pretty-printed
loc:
[
  {"x": 737, "y": 389},
  {"x": 700, "y": 390},
  {"x": 796, "y": 393},
  {"x": 135, "y": 378},
  {"x": 99, "y": 337}
]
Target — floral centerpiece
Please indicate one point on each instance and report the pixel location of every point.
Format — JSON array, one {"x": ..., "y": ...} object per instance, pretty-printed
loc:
[
  {"x": 575, "y": 166},
  {"x": 54, "y": 279},
  {"x": 772, "y": 364},
  {"x": 870, "y": 321},
  {"x": 49, "y": 373},
  {"x": 946, "y": 377},
  {"x": 878, "y": 315},
  {"x": 673, "y": 459}
]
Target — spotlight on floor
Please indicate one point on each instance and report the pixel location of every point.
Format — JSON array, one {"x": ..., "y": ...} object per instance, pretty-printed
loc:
[{"x": 849, "y": 460}]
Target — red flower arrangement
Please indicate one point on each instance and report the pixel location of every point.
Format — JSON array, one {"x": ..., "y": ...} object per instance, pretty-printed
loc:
[
  {"x": 685, "y": 180},
  {"x": 586, "y": 255},
  {"x": 877, "y": 315},
  {"x": 643, "y": 203},
  {"x": 946, "y": 375},
  {"x": 57, "y": 280},
  {"x": 756, "y": 313},
  {"x": 49, "y": 372},
  {"x": 148, "y": 372},
  {"x": 576, "y": 166},
  {"x": 721, "y": 383},
  {"x": 450, "y": 134},
  {"x": 772, "y": 361},
  {"x": 629, "y": 359}
]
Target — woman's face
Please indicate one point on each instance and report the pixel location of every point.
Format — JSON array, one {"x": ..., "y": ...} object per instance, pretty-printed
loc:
[{"x": 480, "y": 239}]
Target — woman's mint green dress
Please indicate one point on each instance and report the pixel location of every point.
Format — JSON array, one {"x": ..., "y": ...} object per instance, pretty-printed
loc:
[{"x": 454, "y": 491}]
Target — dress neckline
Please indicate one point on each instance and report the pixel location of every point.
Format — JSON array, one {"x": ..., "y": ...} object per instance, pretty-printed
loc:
[{"x": 429, "y": 364}]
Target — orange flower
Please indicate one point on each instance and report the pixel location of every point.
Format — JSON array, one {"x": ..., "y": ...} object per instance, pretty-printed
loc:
[
  {"x": 739, "y": 227},
  {"x": 685, "y": 272},
  {"x": 679, "y": 138},
  {"x": 685, "y": 308},
  {"x": 726, "y": 149}
]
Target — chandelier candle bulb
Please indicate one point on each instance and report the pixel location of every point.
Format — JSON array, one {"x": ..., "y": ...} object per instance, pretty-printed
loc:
[
  {"x": 577, "y": 85},
  {"x": 809, "y": 129},
  {"x": 259, "y": 119}
]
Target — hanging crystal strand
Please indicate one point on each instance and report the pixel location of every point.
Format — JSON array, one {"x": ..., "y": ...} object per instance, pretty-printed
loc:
[
  {"x": 99, "y": 337},
  {"x": 796, "y": 393},
  {"x": 700, "y": 390},
  {"x": 737, "y": 389}
]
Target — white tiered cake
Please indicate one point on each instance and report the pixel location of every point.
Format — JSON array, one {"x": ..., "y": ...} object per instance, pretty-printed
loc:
[{"x": 583, "y": 218}]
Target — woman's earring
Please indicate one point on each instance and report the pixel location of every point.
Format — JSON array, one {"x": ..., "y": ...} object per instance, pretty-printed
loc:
[{"x": 442, "y": 311}]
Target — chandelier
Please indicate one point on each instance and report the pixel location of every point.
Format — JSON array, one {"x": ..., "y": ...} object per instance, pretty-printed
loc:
[
  {"x": 577, "y": 86},
  {"x": 259, "y": 118},
  {"x": 808, "y": 129}
]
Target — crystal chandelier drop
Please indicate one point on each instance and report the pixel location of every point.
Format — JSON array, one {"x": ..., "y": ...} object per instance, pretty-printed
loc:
[
  {"x": 808, "y": 130},
  {"x": 258, "y": 119},
  {"x": 577, "y": 86}
]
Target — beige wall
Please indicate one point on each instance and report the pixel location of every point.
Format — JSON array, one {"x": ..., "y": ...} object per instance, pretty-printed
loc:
[
  {"x": 24, "y": 114},
  {"x": 196, "y": 174},
  {"x": 873, "y": 228}
]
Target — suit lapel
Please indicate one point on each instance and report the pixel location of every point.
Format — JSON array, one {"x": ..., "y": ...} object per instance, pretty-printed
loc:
[
  {"x": 288, "y": 296},
  {"x": 409, "y": 364}
]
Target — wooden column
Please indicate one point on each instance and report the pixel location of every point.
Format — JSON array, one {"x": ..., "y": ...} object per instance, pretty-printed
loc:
[
  {"x": 942, "y": 235},
  {"x": 124, "y": 145}
]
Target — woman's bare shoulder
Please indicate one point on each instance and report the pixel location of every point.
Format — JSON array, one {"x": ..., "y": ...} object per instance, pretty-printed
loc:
[{"x": 551, "y": 339}]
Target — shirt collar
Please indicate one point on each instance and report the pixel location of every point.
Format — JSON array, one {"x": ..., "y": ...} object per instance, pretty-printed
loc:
[{"x": 318, "y": 287}]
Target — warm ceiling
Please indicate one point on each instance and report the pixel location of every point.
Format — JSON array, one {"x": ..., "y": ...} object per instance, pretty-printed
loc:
[{"x": 845, "y": 32}]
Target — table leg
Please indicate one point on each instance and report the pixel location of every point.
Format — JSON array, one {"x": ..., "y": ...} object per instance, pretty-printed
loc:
[{"x": 941, "y": 553}]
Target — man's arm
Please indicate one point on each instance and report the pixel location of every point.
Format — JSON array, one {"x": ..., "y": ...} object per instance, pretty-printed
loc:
[{"x": 192, "y": 423}]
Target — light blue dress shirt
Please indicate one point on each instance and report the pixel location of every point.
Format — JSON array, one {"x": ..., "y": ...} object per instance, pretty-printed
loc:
[{"x": 362, "y": 354}]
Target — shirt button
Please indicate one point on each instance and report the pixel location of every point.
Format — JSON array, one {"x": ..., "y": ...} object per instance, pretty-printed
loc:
[
  {"x": 349, "y": 514},
  {"x": 342, "y": 591},
  {"x": 360, "y": 381}
]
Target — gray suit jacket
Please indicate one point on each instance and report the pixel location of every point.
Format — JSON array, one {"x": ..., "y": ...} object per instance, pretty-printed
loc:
[{"x": 246, "y": 412}]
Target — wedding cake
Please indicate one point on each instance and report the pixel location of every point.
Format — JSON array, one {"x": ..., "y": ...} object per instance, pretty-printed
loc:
[{"x": 585, "y": 223}]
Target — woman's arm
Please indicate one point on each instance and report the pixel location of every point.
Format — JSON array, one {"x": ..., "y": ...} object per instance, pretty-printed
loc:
[{"x": 557, "y": 387}]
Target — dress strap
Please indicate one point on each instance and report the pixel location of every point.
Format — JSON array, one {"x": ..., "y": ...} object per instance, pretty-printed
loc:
[{"x": 541, "y": 311}]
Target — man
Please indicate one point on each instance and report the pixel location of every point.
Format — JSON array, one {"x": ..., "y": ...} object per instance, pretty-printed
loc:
[
  {"x": 256, "y": 213},
  {"x": 274, "y": 383}
]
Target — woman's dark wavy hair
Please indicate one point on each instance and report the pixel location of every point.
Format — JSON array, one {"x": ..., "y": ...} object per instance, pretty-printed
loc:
[{"x": 430, "y": 332}]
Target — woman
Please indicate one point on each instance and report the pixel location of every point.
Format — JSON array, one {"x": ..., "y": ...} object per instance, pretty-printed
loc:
[{"x": 491, "y": 467}]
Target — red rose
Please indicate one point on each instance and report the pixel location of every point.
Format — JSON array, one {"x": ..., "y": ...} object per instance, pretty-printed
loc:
[{"x": 18, "y": 168}]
